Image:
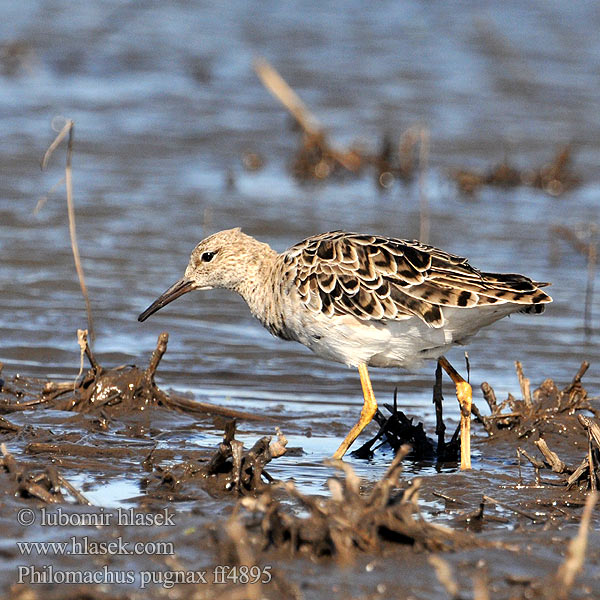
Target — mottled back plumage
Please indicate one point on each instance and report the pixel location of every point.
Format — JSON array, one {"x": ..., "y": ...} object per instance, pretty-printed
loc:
[{"x": 380, "y": 278}]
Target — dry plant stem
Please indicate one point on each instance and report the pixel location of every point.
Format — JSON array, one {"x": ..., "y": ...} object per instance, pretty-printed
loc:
[
  {"x": 100, "y": 452},
  {"x": 423, "y": 202},
  {"x": 569, "y": 235},
  {"x": 585, "y": 365},
  {"x": 81, "y": 499},
  {"x": 578, "y": 472},
  {"x": 57, "y": 140},
  {"x": 44, "y": 199},
  {"x": 504, "y": 415},
  {"x": 159, "y": 351},
  {"x": 45, "y": 486},
  {"x": 589, "y": 288},
  {"x": 69, "y": 129},
  {"x": 593, "y": 483},
  {"x": 517, "y": 511},
  {"x": 480, "y": 586},
  {"x": 9, "y": 461},
  {"x": 575, "y": 556},
  {"x": 446, "y": 497},
  {"x": 524, "y": 384},
  {"x": 588, "y": 249},
  {"x": 489, "y": 395},
  {"x": 239, "y": 537},
  {"x": 444, "y": 574},
  {"x": 27, "y": 405},
  {"x": 557, "y": 465},
  {"x": 194, "y": 406},
  {"x": 6, "y": 425},
  {"x": 438, "y": 399},
  {"x": 481, "y": 419},
  {"x": 538, "y": 464},
  {"x": 592, "y": 427},
  {"x": 280, "y": 89},
  {"x": 73, "y": 233},
  {"x": 593, "y": 431},
  {"x": 82, "y": 341}
]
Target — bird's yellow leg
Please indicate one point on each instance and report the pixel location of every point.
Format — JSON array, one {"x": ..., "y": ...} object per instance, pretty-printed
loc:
[
  {"x": 366, "y": 414},
  {"x": 464, "y": 394}
]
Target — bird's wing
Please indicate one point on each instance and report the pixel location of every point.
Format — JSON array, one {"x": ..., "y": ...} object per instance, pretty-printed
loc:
[{"x": 379, "y": 278}]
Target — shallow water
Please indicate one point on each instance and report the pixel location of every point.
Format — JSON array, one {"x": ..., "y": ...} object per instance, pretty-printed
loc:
[{"x": 165, "y": 102}]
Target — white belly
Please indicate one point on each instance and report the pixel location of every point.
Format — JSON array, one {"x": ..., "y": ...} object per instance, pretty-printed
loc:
[{"x": 403, "y": 343}]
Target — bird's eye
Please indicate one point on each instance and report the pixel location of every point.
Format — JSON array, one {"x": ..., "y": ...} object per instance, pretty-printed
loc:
[{"x": 207, "y": 256}]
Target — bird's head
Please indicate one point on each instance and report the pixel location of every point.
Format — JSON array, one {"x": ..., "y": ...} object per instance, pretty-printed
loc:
[{"x": 222, "y": 260}]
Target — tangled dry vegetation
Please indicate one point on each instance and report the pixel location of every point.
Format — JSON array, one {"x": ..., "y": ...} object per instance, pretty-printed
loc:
[
  {"x": 108, "y": 392},
  {"x": 550, "y": 413},
  {"x": 349, "y": 521},
  {"x": 114, "y": 392},
  {"x": 231, "y": 469},
  {"x": 45, "y": 484},
  {"x": 554, "y": 178},
  {"x": 317, "y": 158}
]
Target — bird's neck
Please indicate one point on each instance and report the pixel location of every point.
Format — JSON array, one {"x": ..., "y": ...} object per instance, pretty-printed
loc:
[{"x": 256, "y": 286}]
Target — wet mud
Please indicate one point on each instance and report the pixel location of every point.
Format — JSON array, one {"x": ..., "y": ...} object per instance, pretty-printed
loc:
[{"x": 213, "y": 522}]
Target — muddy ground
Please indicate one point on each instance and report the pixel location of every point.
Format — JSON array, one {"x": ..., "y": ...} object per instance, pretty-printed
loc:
[{"x": 217, "y": 522}]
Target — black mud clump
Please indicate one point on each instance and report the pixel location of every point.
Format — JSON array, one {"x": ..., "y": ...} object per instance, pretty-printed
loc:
[
  {"x": 397, "y": 430},
  {"x": 230, "y": 469},
  {"x": 113, "y": 390},
  {"x": 107, "y": 392}
]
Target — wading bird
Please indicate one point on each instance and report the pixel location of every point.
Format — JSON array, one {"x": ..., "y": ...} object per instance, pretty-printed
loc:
[{"x": 362, "y": 300}]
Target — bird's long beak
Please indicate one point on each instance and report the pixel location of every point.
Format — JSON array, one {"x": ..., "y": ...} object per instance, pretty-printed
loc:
[{"x": 183, "y": 286}]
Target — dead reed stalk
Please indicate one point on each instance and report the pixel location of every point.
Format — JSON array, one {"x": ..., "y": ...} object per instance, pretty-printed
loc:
[
  {"x": 585, "y": 242},
  {"x": 575, "y": 555},
  {"x": 69, "y": 129},
  {"x": 424, "y": 215}
]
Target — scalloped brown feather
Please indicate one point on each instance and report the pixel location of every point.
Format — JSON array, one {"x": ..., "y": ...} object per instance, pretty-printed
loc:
[{"x": 380, "y": 278}]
